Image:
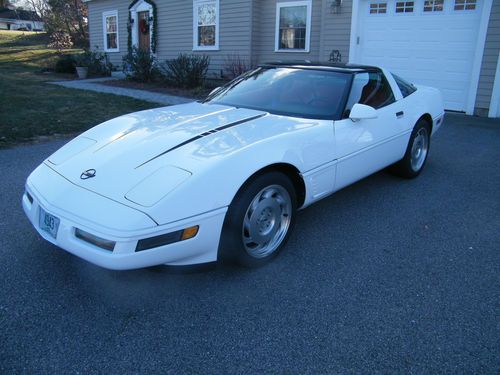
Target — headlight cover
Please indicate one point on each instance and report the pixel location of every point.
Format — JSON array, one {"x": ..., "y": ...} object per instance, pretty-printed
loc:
[{"x": 157, "y": 185}]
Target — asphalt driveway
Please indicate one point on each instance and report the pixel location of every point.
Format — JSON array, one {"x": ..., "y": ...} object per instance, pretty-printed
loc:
[{"x": 387, "y": 275}]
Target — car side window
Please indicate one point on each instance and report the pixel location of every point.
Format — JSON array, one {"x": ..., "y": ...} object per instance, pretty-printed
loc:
[
  {"x": 405, "y": 87},
  {"x": 370, "y": 89}
]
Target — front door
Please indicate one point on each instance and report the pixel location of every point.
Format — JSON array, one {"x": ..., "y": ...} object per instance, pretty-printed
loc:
[{"x": 144, "y": 31}]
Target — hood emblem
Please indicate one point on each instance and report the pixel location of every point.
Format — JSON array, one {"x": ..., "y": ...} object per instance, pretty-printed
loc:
[{"x": 89, "y": 173}]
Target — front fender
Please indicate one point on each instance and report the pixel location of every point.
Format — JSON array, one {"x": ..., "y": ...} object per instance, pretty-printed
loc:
[{"x": 223, "y": 162}]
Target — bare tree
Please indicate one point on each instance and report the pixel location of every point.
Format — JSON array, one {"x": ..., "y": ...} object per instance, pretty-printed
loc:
[
  {"x": 67, "y": 16},
  {"x": 41, "y": 7}
]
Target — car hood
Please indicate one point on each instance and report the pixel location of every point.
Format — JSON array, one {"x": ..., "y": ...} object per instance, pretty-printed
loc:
[{"x": 116, "y": 155}]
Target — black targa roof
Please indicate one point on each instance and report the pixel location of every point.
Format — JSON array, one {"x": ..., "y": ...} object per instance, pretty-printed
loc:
[{"x": 339, "y": 67}]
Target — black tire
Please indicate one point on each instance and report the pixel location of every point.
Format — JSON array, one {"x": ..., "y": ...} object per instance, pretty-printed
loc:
[
  {"x": 405, "y": 167},
  {"x": 235, "y": 245}
]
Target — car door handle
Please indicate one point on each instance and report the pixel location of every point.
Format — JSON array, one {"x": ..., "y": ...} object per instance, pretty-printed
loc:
[{"x": 400, "y": 114}]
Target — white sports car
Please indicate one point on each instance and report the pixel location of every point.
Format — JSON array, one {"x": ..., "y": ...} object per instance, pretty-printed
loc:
[{"x": 223, "y": 178}]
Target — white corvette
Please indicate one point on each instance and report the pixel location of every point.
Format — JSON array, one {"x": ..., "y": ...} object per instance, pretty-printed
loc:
[{"x": 223, "y": 178}]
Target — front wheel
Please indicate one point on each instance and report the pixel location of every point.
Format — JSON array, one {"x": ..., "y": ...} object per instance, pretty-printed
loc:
[
  {"x": 416, "y": 152},
  {"x": 259, "y": 220}
]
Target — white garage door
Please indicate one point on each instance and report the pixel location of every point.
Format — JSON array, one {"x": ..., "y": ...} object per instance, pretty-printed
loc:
[{"x": 429, "y": 42}]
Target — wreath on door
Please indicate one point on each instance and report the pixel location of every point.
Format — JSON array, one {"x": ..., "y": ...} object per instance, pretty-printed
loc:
[
  {"x": 144, "y": 26},
  {"x": 148, "y": 25}
]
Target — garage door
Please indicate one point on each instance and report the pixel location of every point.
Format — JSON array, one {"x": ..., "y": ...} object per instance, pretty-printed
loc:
[{"x": 429, "y": 42}]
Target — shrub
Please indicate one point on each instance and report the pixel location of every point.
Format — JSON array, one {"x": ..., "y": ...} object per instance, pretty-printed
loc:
[
  {"x": 60, "y": 40},
  {"x": 187, "y": 71},
  {"x": 83, "y": 59},
  {"x": 140, "y": 65},
  {"x": 235, "y": 66},
  {"x": 65, "y": 64},
  {"x": 98, "y": 63}
]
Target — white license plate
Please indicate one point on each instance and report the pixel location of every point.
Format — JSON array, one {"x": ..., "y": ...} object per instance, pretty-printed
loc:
[{"x": 48, "y": 223}]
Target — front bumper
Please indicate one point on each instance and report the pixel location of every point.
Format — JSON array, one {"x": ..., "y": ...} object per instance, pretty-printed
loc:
[{"x": 200, "y": 249}]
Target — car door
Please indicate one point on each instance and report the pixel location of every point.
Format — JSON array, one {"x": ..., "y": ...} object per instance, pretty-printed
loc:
[{"x": 368, "y": 145}]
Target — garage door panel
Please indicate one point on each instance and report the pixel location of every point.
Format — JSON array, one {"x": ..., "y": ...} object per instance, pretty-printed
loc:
[
  {"x": 429, "y": 46},
  {"x": 401, "y": 36},
  {"x": 435, "y": 49},
  {"x": 461, "y": 23},
  {"x": 459, "y": 46},
  {"x": 376, "y": 55},
  {"x": 457, "y": 69},
  {"x": 427, "y": 67},
  {"x": 452, "y": 85}
]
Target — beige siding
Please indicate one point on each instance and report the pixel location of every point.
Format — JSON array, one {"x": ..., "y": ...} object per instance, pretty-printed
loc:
[
  {"x": 336, "y": 30},
  {"x": 247, "y": 28},
  {"x": 175, "y": 29},
  {"x": 265, "y": 30},
  {"x": 96, "y": 8},
  {"x": 256, "y": 16},
  {"x": 490, "y": 57},
  {"x": 175, "y": 20}
]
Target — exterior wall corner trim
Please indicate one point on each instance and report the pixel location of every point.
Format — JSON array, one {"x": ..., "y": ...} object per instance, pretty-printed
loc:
[{"x": 478, "y": 57}]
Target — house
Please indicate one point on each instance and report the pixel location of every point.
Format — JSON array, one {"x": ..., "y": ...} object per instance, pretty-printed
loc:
[
  {"x": 450, "y": 44},
  {"x": 18, "y": 19}
]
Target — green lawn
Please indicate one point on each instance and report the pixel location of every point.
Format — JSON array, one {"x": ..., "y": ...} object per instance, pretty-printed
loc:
[{"x": 30, "y": 107}]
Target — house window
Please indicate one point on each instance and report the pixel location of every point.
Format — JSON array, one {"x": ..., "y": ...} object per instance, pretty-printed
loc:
[
  {"x": 293, "y": 26},
  {"x": 433, "y": 5},
  {"x": 404, "y": 7},
  {"x": 378, "y": 8},
  {"x": 110, "y": 29},
  {"x": 465, "y": 4},
  {"x": 206, "y": 24}
]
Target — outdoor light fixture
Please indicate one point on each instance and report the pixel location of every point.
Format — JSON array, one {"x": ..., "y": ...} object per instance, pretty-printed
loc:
[{"x": 335, "y": 7}]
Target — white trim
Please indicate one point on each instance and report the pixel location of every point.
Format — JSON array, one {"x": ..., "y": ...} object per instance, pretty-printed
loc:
[
  {"x": 478, "y": 57},
  {"x": 286, "y": 4},
  {"x": 353, "y": 42},
  {"x": 141, "y": 6},
  {"x": 105, "y": 15},
  {"x": 196, "y": 47},
  {"x": 495, "y": 94}
]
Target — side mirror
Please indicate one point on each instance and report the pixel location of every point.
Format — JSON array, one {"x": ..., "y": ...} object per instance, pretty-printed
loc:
[
  {"x": 362, "y": 112},
  {"x": 214, "y": 90}
]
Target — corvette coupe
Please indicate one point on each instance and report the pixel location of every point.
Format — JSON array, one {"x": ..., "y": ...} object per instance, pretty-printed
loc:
[{"x": 223, "y": 178}]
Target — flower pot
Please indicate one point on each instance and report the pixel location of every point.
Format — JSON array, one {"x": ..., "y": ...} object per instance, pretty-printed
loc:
[{"x": 82, "y": 71}]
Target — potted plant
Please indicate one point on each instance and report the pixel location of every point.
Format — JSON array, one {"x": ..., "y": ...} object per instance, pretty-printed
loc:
[{"x": 82, "y": 65}]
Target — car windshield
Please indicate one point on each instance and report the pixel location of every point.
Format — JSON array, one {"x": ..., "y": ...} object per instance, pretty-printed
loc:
[{"x": 293, "y": 92}]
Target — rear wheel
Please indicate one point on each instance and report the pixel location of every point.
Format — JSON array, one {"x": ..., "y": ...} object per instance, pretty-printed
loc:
[
  {"x": 259, "y": 220},
  {"x": 416, "y": 152}
]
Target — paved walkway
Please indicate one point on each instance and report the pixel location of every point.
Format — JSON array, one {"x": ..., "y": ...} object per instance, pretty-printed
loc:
[{"x": 94, "y": 84}]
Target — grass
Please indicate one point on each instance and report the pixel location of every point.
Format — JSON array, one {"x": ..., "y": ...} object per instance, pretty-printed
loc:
[{"x": 31, "y": 108}]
